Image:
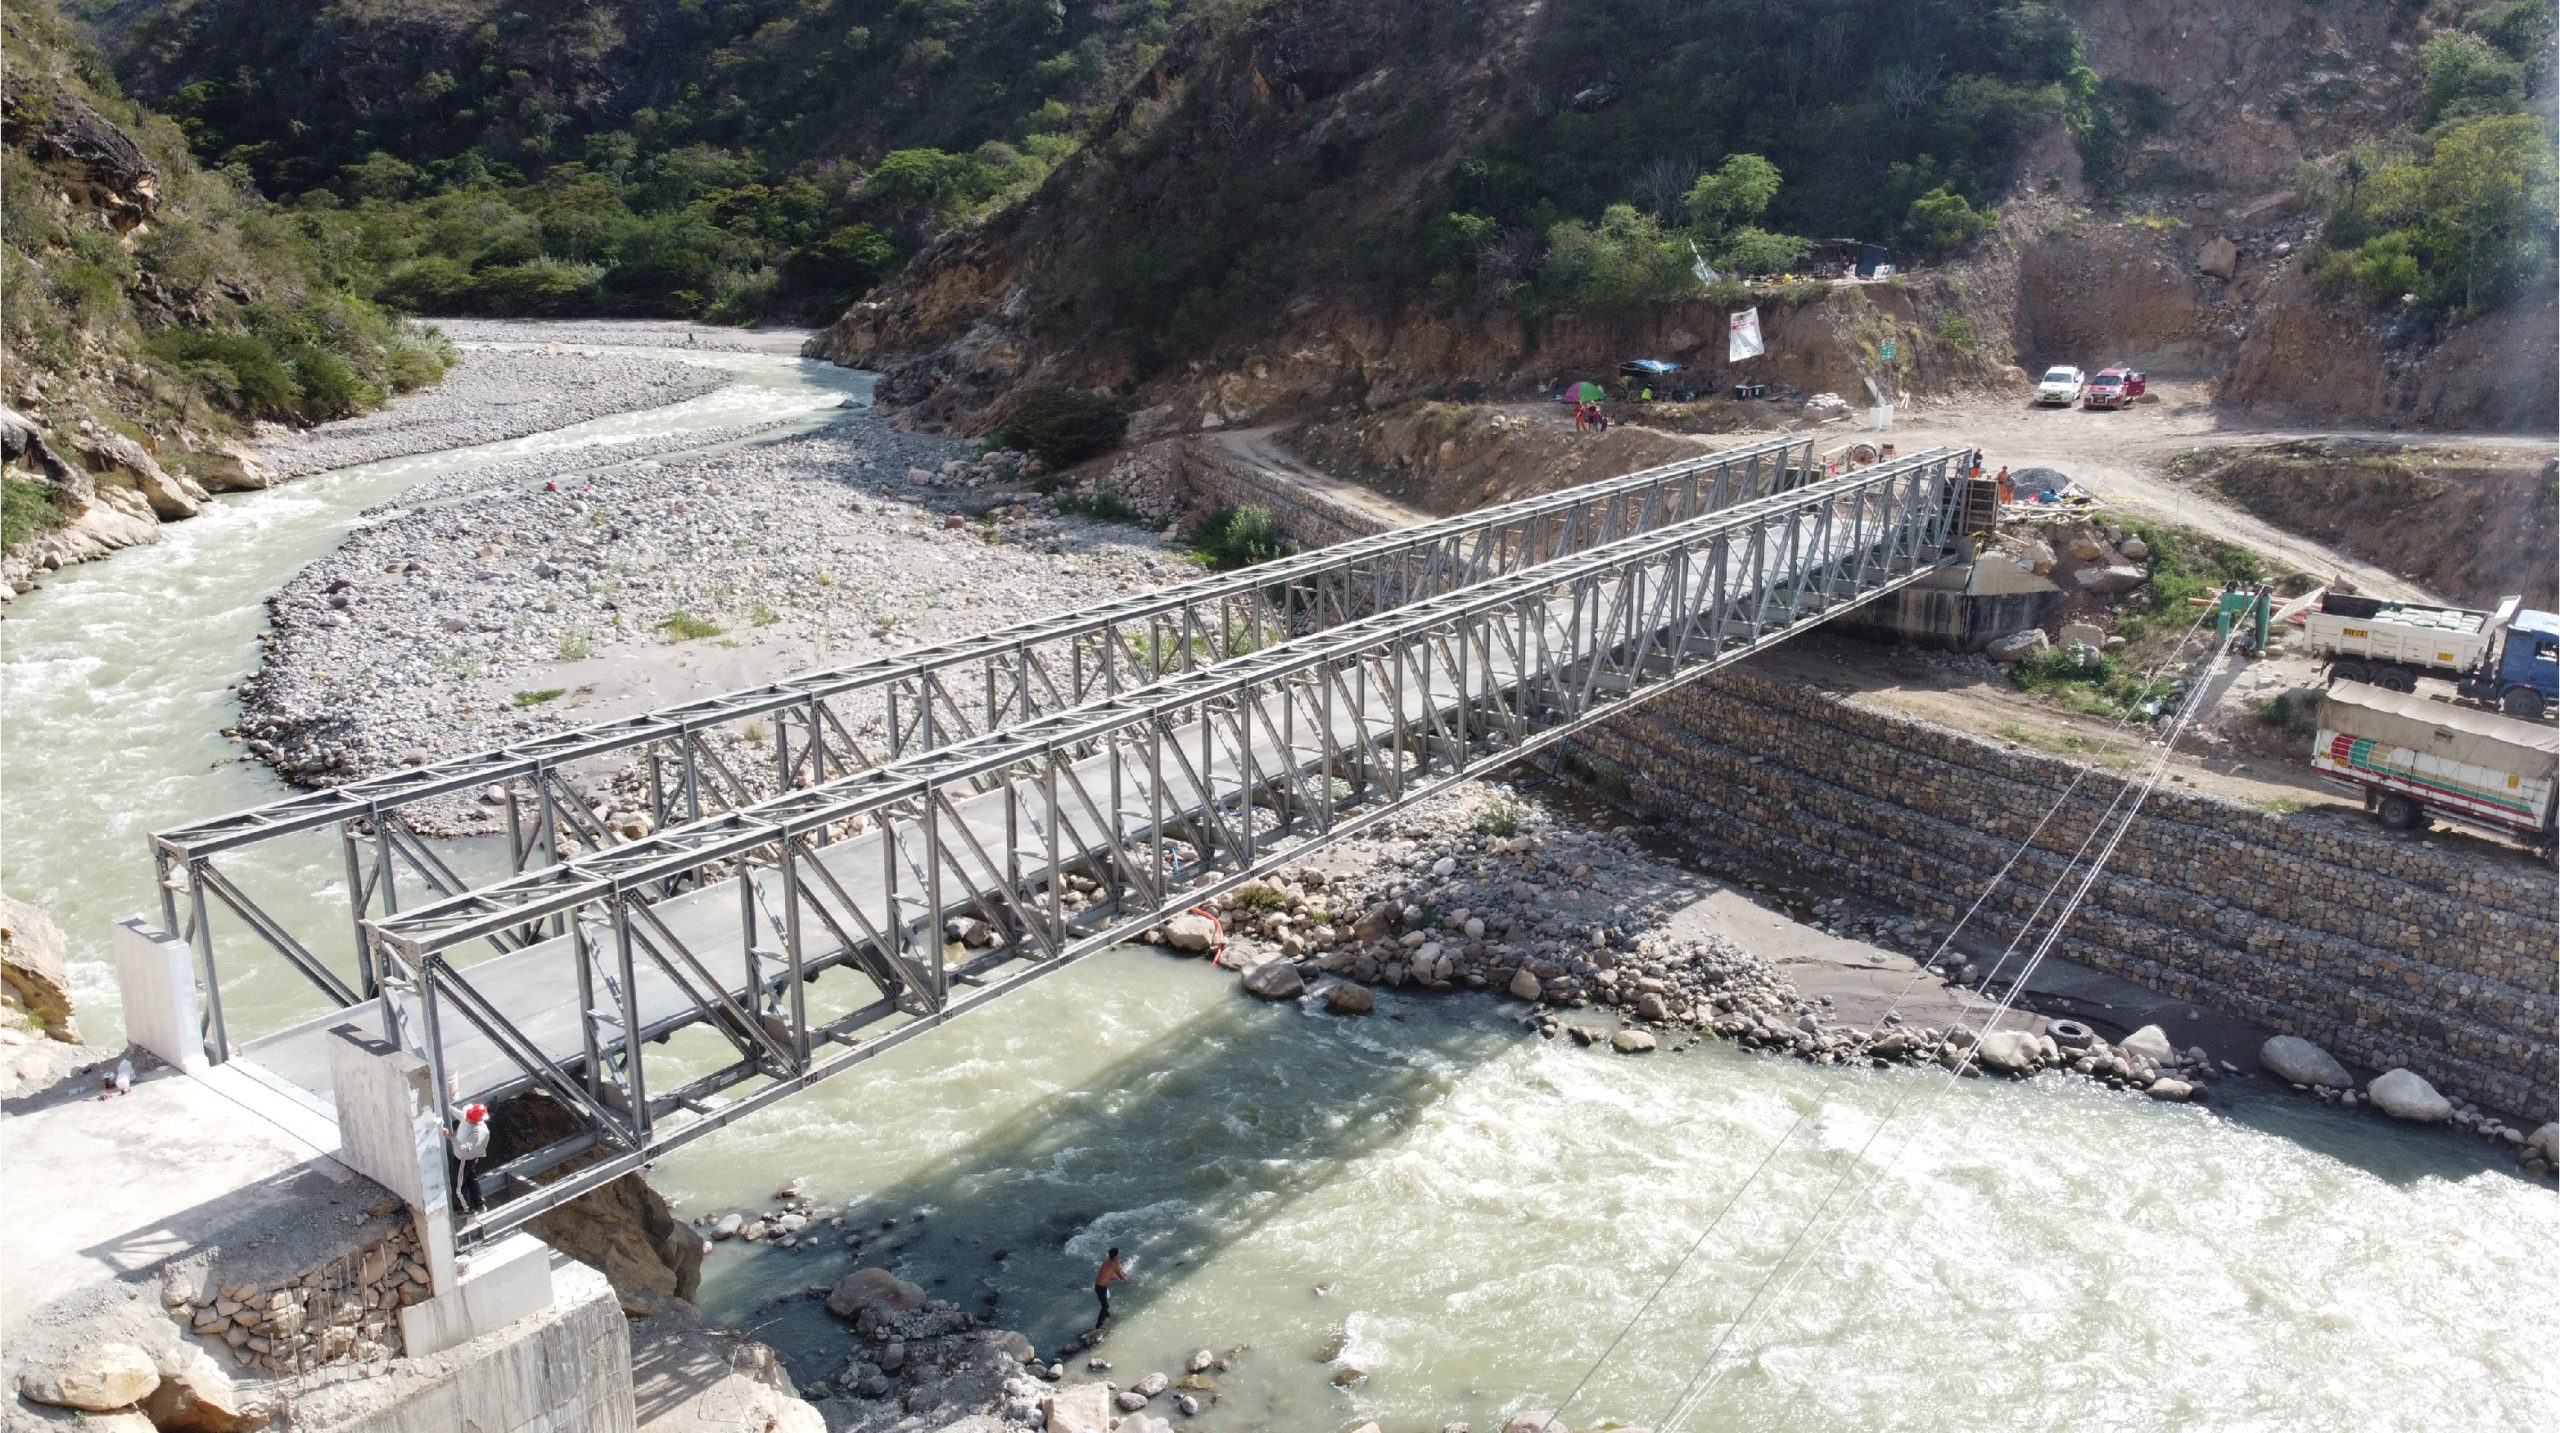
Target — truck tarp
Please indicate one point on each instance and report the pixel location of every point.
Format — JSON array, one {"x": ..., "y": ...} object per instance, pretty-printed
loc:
[{"x": 2475, "y": 738}]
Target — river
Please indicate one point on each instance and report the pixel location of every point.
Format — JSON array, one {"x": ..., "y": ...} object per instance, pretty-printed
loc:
[{"x": 1474, "y": 1213}]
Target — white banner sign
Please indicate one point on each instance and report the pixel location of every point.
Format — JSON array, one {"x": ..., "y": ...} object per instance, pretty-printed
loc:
[{"x": 1746, "y": 337}]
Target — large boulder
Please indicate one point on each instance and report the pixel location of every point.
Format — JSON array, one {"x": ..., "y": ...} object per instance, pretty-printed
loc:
[
  {"x": 1191, "y": 932},
  {"x": 1344, "y": 998},
  {"x": 2151, "y": 1043},
  {"x": 196, "y": 1396},
  {"x": 1078, "y": 1408},
  {"x": 872, "y": 1289},
  {"x": 233, "y": 470},
  {"x": 34, "y": 975},
  {"x": 2219, "y": 257},
  {"x": 115, "y": 459},
  {"x": 2545, "y": 1142},
  {"x": 94, "y": 1380},
  {"x": 629, "y": 1233},
  {"x": 1275, "y": 980},
  {"x": 2293, "y": 1059},
  {"x": 1526, "y": 986},
  {"x": 1632, "y": 1042},
  {"x": 2017, "y": 646},
  {"x": 2011, "y": 1051},
  {"x": 2405, "y": 1095},
  {"x": 2110, "y": 579}
]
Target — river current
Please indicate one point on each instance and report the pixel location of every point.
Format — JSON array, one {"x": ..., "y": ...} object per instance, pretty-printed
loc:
[{"x": 1463, "y": 1212}]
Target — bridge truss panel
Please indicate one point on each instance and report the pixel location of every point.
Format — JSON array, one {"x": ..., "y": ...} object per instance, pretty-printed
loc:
[
  {"x": 817, "y": 929},
  {"x": 726, "y": 753}
]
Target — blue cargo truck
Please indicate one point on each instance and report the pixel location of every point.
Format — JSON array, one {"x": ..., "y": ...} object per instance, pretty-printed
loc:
[{"x": 2507, "y": 658}]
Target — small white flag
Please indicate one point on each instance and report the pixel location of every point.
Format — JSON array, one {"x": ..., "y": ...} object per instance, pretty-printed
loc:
[{"x": 1746, "y": 337}]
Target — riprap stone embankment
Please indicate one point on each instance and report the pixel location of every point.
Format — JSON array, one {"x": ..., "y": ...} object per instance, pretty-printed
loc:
[{"x": 2385, "y": 950}]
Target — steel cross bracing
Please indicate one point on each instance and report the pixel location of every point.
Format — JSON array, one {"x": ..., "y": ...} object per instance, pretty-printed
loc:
[
  {"x": 829, "y": 724},
  {"x": 814, "y": 930}
]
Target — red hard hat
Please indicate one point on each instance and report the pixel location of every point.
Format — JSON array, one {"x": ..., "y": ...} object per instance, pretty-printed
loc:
[{"x": 475, "y": 1113}]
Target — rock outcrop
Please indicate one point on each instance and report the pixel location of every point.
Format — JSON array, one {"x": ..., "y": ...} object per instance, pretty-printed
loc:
[
  {"x": 35, "y": 980},
  {"x": 626, "y": 1230}
]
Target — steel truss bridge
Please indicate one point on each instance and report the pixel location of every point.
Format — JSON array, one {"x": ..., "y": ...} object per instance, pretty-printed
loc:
[{"x": 1147, "y": 754}]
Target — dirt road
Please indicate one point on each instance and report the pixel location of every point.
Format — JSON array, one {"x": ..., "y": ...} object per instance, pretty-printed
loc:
[{"x": 2124, "y": 456}]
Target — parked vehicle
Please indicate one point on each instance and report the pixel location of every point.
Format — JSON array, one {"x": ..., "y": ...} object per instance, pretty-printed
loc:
[
  {"x": 2060, "y": 387},
  {"x": 2412, "y": 759},
  {"x": 2507, "y": 658},
  {"x": 2115, "y": 387}
]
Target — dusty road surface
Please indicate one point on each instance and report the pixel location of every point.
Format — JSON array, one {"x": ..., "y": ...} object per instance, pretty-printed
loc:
[{"x": 2124, "y": 457}]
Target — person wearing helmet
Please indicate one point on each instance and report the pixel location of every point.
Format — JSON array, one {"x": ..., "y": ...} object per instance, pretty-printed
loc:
[{"x": 470, "y": 1140}]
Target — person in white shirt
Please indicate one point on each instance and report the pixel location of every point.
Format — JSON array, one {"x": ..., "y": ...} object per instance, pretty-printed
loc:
[{"x": 470, "y": 1140}]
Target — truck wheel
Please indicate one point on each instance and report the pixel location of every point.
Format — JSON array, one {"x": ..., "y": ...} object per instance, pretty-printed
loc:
[
  {"x": 2349, "y": 672},
  {"x": 2401, "y": 814},
  {"x": 2396, "y": 679},
  {"x": 2523, "y": 703}
]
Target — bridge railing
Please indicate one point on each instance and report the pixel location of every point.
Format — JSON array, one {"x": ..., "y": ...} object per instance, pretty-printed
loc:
[
  {"x": 1069, "y": 833},
  {"x": 728, "y": 752}
]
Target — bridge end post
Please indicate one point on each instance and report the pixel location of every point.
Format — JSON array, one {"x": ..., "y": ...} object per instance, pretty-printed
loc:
[
  {"x": 391, "y": 1131},
  {"x": 156, "y": 981}
]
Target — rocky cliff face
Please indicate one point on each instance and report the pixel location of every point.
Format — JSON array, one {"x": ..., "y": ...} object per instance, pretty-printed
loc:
[{"x": 2178, "y": 243}]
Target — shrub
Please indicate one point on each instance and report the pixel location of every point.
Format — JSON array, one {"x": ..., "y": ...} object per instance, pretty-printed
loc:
[
  {"x": 683, "y": 626},
  {"x": 1230, "y": 538},
  {"x": 535, "y": 699},
  {"x": 1108, "y": 504},
  {"x": 27, "y": 511},
  {"x": 236, "y": 371},
  {"x": 1062, "y": 427}
]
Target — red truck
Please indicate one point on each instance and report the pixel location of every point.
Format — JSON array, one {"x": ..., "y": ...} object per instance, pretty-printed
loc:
[{"x": 2114, "y": 388}]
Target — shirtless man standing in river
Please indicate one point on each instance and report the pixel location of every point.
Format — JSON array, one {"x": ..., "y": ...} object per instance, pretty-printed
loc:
[{"x": 1103, "y": 1278}]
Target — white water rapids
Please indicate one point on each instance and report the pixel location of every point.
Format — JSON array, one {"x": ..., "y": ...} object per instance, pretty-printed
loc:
[{"x": 1473, "y": 1212}]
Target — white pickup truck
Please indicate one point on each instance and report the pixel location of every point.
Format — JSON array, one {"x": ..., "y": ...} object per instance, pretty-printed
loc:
[
  {"x": 2411, "y": 759},
  {"x": 2061, "y": 386}
]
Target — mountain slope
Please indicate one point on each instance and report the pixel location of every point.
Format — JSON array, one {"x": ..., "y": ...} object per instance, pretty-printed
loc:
[
  {"x": 154, "y": 310},
  {"x": 749, "y": 159},
  {"x": 1311, "y": 202}
]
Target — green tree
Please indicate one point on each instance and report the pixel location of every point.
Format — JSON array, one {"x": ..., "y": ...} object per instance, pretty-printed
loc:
[
  {"x": 2467, "y": 78},
  {"x": 1754, "y": 250},
  {"x": 1624, "y": 263},
  {"x": 1736, "y": 193},
  {"x": 1942, "y": 220}
]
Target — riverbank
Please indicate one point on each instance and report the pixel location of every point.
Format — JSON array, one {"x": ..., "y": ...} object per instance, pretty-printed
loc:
[
  {"x": 488, "y": 396},
  {"x": 112, "y": 494},
  {"x": 521, "y": 609}
]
